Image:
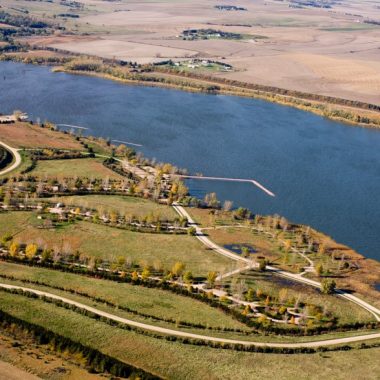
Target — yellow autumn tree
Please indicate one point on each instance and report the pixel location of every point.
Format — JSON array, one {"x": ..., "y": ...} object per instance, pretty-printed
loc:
[{"x": 31, "y": 251}]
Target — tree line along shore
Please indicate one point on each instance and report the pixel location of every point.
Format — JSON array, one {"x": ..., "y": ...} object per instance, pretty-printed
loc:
[{"x": 164, "y": 74}]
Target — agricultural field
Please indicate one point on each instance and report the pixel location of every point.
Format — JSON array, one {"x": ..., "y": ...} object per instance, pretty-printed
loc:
[{"x": 306, "y": 48}]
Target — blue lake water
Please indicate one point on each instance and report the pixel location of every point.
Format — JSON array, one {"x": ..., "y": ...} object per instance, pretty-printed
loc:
[{"x": 325, "y": 174}]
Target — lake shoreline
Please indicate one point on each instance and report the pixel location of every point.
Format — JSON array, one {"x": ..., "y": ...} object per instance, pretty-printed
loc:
[
  {"x": 220, "y": 92},
  {"x": 252, "y": 126},
  {"x": 169, "y": 79}
]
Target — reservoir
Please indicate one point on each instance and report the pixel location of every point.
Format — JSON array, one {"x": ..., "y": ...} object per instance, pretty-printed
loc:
[{"x": 324, "y": 173}]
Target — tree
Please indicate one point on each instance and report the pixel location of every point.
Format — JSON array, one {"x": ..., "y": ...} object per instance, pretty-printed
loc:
[
  {"x": 227, "y": 205},
  {"x": 211, "y": 278},
  {"x": 262, "y": 265},
  {"x": 250, "y": 296},
  {"x": 13, "y": 249},
  {"x": 328, "y": 286},
  {"x": 145, "y": 273},
  {"x": 263, "y": 320},
  {"x": 287, "y": 245},
  {"x": 5, "y": 238},
  {"x": 242, "y": 213},
  {"x": 321, "y": 249},
  {"x": 46, "y": 255},
  {"x": 192, "y": 231},
  {"x": 247, "y": 310},
  {"x": 188, "y": 277},
  {"x": 121, "y": 261},
  {"x": 178, "y": 268},
  {"x": 211, "y": 200},
  {"x": 121, "y": 150},
  {"x": 182, "y": 190},
  {"x": 114, "y": 216},
  {"x": 31, "y": 251},
  {"x": 245, "y": 251},
  {"x": 319, "y": 269}
]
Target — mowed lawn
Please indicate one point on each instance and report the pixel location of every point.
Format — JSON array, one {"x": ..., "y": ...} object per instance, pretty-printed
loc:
[
  {"x": 110, "y": 243},
  {"x": 151, "y": 301},
  {"x": 124, "y": 205},
  {"x": 81, "y": 167},
  {"x": 174, "y": 360}
]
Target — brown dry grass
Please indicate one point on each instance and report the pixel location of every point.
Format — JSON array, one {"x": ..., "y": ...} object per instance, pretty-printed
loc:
[
  {"x": 24, "y": 135},
  {"x": 10, "y": 372},
  {"x": 17, "y": 363}
]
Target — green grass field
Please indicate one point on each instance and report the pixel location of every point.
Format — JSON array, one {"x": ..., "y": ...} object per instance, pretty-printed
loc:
[
  {"x": 177, "y": 361},
  {"x": 124, "y": 205},
  {"x": 155, "y": 302},
  {"x": 224, "y": 230},
  {"x": 110, "y": 243},
  {"x": 83, "y": 167}
]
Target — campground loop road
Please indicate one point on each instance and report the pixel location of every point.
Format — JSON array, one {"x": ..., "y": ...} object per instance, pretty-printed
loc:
[
  {"x": 206, "y": 241},
  {"x": 16, "y": 158},
  {"x": 166, "y": 331},
  {"x": 296, "y": 277}
]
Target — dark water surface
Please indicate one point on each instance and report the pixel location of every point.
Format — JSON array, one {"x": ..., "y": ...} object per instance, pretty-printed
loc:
[{"x": 325, "y": 174}]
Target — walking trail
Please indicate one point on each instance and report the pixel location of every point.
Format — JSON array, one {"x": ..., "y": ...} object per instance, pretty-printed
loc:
[
  {"x": 183, "y": 334},
  {"x": 295, "y": 277}
]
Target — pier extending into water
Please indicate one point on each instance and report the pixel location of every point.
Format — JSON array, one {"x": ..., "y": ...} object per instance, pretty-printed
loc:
[
  {"x": 127, "y": 142},
  {"x": 254, "y": 182},
  {"x": 70, "y": 126}
]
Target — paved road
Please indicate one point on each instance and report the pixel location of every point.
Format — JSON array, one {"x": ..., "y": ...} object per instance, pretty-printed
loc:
[
  {"x": 16, "y": 161},
  {"x": 205, "y": 240},
  {"x": 296, "y": 277},
  {"x": 163, "y": 330}
]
